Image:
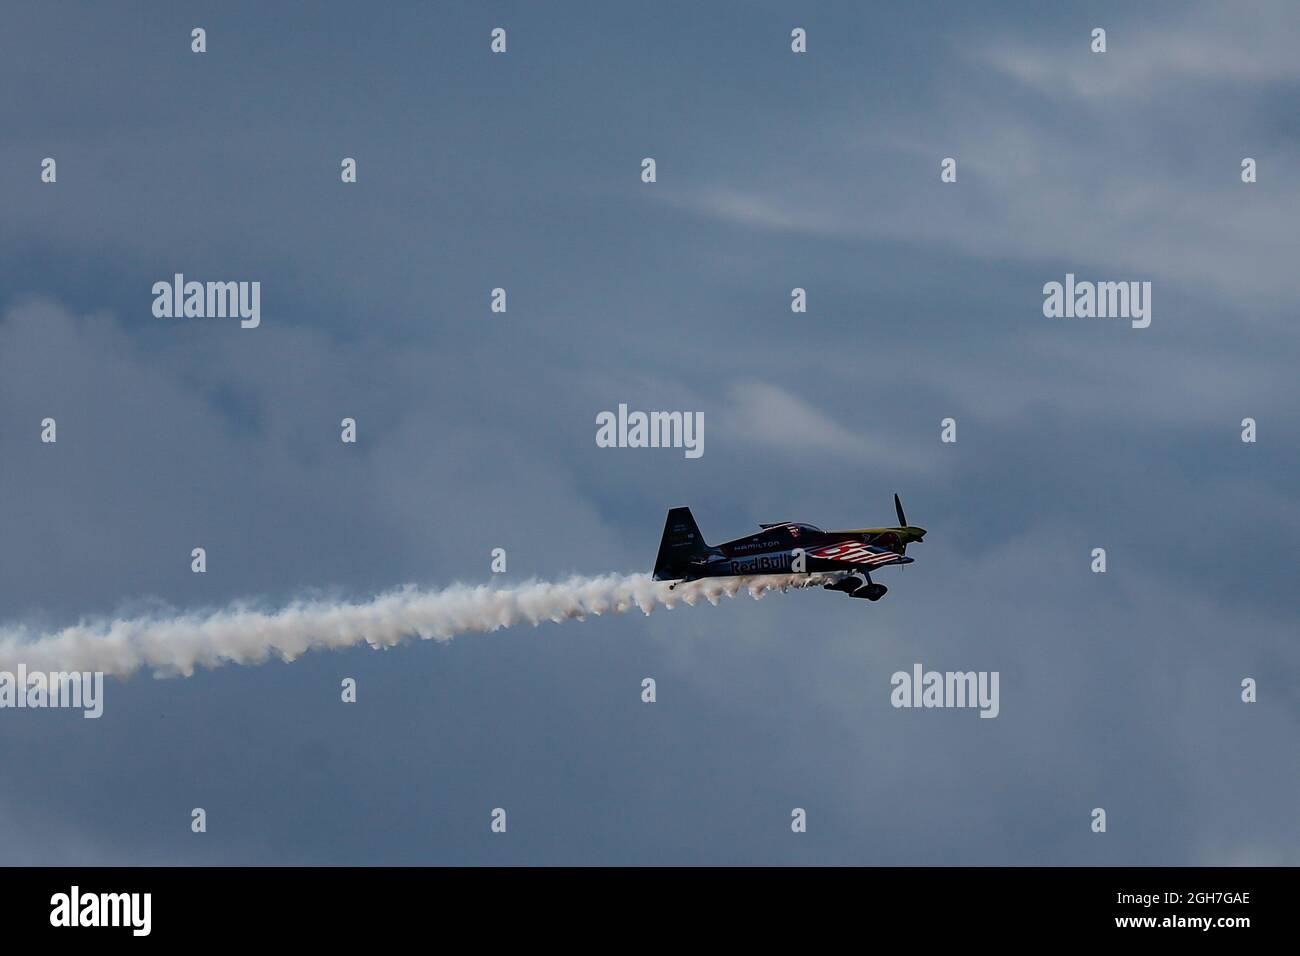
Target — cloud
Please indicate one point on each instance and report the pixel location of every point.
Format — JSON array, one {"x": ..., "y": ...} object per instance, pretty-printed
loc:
[
  {"x": 778, "y": 420},
  {"x": 1066, "y": 159},
  {"x": 1245, "y": 43}
]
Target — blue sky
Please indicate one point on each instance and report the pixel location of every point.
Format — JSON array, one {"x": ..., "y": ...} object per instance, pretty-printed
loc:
[{"x": 477, "y": 430}]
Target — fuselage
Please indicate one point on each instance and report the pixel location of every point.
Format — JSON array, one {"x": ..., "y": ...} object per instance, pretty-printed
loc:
[{"x": 775, "y": 548}]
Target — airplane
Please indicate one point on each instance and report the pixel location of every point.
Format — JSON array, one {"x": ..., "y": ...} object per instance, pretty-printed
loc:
[{"x": 684, "y": 556}]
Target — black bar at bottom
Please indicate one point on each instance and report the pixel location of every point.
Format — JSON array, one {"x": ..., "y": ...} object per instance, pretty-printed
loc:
[{"x": 665, "y": 906}]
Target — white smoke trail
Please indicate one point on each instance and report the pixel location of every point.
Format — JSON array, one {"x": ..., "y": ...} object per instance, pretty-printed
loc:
[{"x": 241, "y": 634}]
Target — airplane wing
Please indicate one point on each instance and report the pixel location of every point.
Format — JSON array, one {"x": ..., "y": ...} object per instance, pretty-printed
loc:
[{"x": 855, "y": 554}]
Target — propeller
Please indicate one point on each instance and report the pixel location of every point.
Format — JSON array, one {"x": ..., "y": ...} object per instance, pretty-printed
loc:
[{"x": 898, "y": 507}]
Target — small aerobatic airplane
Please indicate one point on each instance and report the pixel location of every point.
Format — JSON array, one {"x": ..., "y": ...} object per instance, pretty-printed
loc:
[{"x": 784, "y": 547}]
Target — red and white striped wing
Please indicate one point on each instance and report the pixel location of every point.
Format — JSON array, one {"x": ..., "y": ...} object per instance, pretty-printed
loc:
[{"x": 855, "y": 553}]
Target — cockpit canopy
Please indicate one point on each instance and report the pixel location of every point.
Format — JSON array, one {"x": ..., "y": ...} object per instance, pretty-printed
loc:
[{"x": 790, "y": 524}]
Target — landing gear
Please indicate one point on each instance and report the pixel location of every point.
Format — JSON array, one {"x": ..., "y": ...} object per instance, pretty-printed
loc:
[
  {"x": 859, "y": 585},
  {"x": 872, "y": 592}
]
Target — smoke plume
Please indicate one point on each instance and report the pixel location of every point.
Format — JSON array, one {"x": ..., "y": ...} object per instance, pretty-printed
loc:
[{"x": 176, "y": 643}]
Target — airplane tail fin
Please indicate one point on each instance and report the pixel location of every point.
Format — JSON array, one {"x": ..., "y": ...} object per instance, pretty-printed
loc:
[{"x": 681, "y": 541}]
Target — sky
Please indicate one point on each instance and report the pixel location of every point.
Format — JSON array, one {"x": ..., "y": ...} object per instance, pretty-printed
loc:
[{"x": 476, "y": 430}]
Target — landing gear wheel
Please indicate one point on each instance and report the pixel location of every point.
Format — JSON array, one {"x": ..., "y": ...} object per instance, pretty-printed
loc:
[{"x": 874, "y": 592}]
